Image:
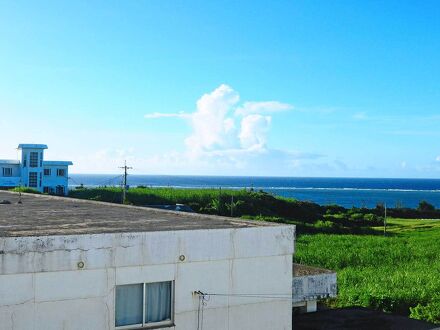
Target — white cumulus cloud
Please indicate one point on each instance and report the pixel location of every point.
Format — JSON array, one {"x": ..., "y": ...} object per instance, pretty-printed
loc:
[
  {"x": 230, "y": 135},
  {"x": 212, "y": 125},
  {"x": 221, "y": 123},
  {"x": 253, "y": 132}
]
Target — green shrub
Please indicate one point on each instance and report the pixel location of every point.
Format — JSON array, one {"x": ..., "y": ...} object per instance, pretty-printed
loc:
[
  {"x": 429, "y": 312},
  {"x": 325, "y": 225},
  {"x": 424, "y": 206},
  {"x": 26, "y": 190},
  {"x": 356, "y": 216}
]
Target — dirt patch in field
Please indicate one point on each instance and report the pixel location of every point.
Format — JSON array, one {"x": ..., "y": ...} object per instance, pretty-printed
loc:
[{"x": 356, "y": 318}]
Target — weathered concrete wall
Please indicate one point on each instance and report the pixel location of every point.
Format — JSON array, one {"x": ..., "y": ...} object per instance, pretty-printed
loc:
[
  {"x": 41, "y": 286},
  {"x": 307, "y": 290}
]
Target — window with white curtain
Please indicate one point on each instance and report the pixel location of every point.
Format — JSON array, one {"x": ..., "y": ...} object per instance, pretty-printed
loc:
[{"x": 144, "y": 305}]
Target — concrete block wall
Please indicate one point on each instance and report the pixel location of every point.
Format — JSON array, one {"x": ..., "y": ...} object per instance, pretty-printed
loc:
[{"x": 42, "y": 286}]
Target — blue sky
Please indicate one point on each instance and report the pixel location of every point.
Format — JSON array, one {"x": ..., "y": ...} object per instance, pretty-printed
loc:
[{"x": 296, "y": 88}]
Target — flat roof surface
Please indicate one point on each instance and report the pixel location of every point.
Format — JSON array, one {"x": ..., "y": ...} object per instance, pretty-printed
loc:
[
  {"x": 32, "y": 146},
  {"x": 304, "y": 270},
  {"x": 9, "y": 161},
  {"x": 57, "y": 162},
  {"x": 42, "y": 215}
]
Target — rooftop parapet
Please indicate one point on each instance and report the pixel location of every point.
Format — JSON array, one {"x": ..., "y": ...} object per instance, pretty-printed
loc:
[
  {"x": 42, "y": 215},
  {"x": 31, "y": 146},
  {"x": 311, "y": 284}
]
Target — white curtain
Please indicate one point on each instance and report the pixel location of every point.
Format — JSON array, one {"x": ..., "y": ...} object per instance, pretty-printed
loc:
[
  {"x": 129, "y": 304},
  {"x": 158, "y": 302}
]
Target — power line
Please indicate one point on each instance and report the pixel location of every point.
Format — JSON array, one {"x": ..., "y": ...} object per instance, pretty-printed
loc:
[
  {"x": 251, "y": 295},
  {"x": 99, "y": 183}
]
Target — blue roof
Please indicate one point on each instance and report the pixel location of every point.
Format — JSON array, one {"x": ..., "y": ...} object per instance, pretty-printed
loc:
[{"x": 31, "y": 146}]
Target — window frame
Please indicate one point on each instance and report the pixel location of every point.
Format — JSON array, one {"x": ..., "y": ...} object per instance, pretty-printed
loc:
[
  {"x": 150, "y": 325},
  {"x": 7, "y": 172},
  {"x": 47, "y": 172},
  {"x": 61, "y": 170},
  {"x": 33, "y": 161},
  {"x": 36, "y": 179},
  {"x": 60, "y": 190}
]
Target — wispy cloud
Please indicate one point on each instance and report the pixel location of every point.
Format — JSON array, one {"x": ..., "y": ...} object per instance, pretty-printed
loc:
[
  {"x": 411, "y": 132},
  {"x": 323, "y": 110},
  {"x": 156, "y": 115},
  {"x": 266, "y": 107},
  {"x": 360, "y": 116}
]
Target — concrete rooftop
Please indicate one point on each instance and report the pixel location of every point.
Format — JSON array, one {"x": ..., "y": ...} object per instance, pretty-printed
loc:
[
  {"x": 42, "y": 215},
  {"x": 303, "y": 270}
]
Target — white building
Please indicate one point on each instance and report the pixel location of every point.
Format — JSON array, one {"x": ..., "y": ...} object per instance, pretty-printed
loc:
[
  {"x": 34, "y": 172},
  {"x": 76, "y": 264}
]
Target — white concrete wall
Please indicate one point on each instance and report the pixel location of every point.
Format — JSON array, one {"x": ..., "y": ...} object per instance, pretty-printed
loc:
[
  {"x": 314, "y": 287},
  {"x": 41, "y": 286}
]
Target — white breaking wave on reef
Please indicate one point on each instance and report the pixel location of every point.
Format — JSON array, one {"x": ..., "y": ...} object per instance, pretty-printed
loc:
[
  {"x": 184, "y": 186},
  {"x": 347, "y": 192}
]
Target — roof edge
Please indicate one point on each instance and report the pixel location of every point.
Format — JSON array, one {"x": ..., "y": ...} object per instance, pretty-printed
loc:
[
  {"x": 31, "y": 146},
  {"x": 57, "y": 162},
  {"x": 155, "y": 210}
]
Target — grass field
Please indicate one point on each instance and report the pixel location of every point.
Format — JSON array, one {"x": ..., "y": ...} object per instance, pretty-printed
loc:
[{"x": 398, "y": 273}]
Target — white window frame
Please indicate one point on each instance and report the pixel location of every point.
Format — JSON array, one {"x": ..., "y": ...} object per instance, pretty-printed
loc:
[
  {"x": 7, "y": 171},
  {"x": 150, "y": 325},
  {"x": 36, "y": 180},
  {"x": 59, "y": 170},
  {"x": 33, "y": 161}
]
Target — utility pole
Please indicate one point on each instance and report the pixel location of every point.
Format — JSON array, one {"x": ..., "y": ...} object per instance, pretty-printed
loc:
[
  {"x": 385, "y": 221},
  {"x": 219, "y": 200},
  {"x": 232, "y": 205},
  {"x": 19, "y": 193},
  {"x": 124, "y": 189}
]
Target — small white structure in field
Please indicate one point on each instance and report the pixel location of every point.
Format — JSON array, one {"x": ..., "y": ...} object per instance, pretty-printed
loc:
[
  {"x": 75, "y": 264},
  {"x": 34, "y": 172},
  {"x": 311, "y": 284}
]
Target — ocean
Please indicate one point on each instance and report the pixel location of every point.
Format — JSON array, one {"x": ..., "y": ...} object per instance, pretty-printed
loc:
[{"x": 347, "y": 192}]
